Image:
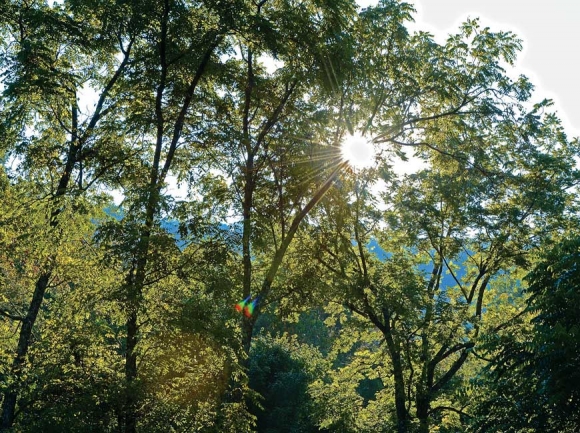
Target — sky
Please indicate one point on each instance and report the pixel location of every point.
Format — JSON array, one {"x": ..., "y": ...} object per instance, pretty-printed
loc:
[{"x": 550, "y": 30}]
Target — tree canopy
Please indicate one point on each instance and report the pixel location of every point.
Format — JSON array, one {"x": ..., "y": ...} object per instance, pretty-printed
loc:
[{"x": 164, "y": 160}]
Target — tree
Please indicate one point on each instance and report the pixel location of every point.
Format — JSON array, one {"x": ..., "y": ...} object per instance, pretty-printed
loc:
[
  {"x": 267, "y": 127},
  {"x": 50, "y": 54},
  {"x": 531, "y": 383},
  {"x": 71, "y": 359},
  {"x": 280, "y": 370},
  {"x": 177, "y": 45},
  {"x": 497, "y": 186}
]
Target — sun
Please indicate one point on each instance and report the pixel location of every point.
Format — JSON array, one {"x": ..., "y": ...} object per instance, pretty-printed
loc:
[{"x": 358, "y": 151}]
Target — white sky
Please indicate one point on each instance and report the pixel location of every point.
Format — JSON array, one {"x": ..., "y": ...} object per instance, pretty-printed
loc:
[{"x": 550, "y": 30}]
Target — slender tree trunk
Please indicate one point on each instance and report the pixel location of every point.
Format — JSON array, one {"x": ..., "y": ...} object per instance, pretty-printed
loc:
[
  {"x": 135, "y": 283},
  {"x": 247, "y": 322},
  {"x": 424, "y": 389},
  {"x": 400, "y": 394},
  {"x": 159, "y": 171},
  {"x": 247, "y": 225},
  {"x": 135, "y": 279},
  {"x": 24, "y": 340},
  {"x": 134, "y": 293},
  {"x": 236, "y": 395},
  {"x": 131, "y": 401}
]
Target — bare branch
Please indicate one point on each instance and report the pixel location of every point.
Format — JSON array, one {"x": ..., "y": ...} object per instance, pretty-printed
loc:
[{"x": 455, "y": 278}]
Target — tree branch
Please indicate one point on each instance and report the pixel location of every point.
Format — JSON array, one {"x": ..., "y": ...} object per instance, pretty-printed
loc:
[
  {"x": 451, "y": 372},
  {"x": 275, "y": 115},
  {"x": 185, "y": 107},
  {"x": 279, "y": 256},
  {"x": 449, "y": 408},
  {"x": 11, "y": 316},
  {"x": 455, "y": 278}
]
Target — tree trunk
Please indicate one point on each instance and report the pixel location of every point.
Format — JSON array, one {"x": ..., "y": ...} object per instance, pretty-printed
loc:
[
  {"x": 423, "y": 405},
  {"x": 131, "y": 374},
  {"x": 135, "y": 284},
  {"x": 400, "y": 394},
  {"x": 400, "y": 397},
  {"x": 24, "y": 340},
  {"x": 72, "y": 158},
  {"x": 235, "y": 393}
]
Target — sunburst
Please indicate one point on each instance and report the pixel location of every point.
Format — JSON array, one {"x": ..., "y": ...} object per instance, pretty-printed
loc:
[{"x": 358, "y": 151}]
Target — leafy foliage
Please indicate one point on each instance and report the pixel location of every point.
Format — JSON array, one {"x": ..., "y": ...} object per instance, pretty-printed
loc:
[
  {"x": 533, "y": 379},
  {"x": 385, "y": 301}
]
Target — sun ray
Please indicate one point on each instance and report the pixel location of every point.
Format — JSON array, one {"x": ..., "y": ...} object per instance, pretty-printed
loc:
[{"x": 318, "y": 172}]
